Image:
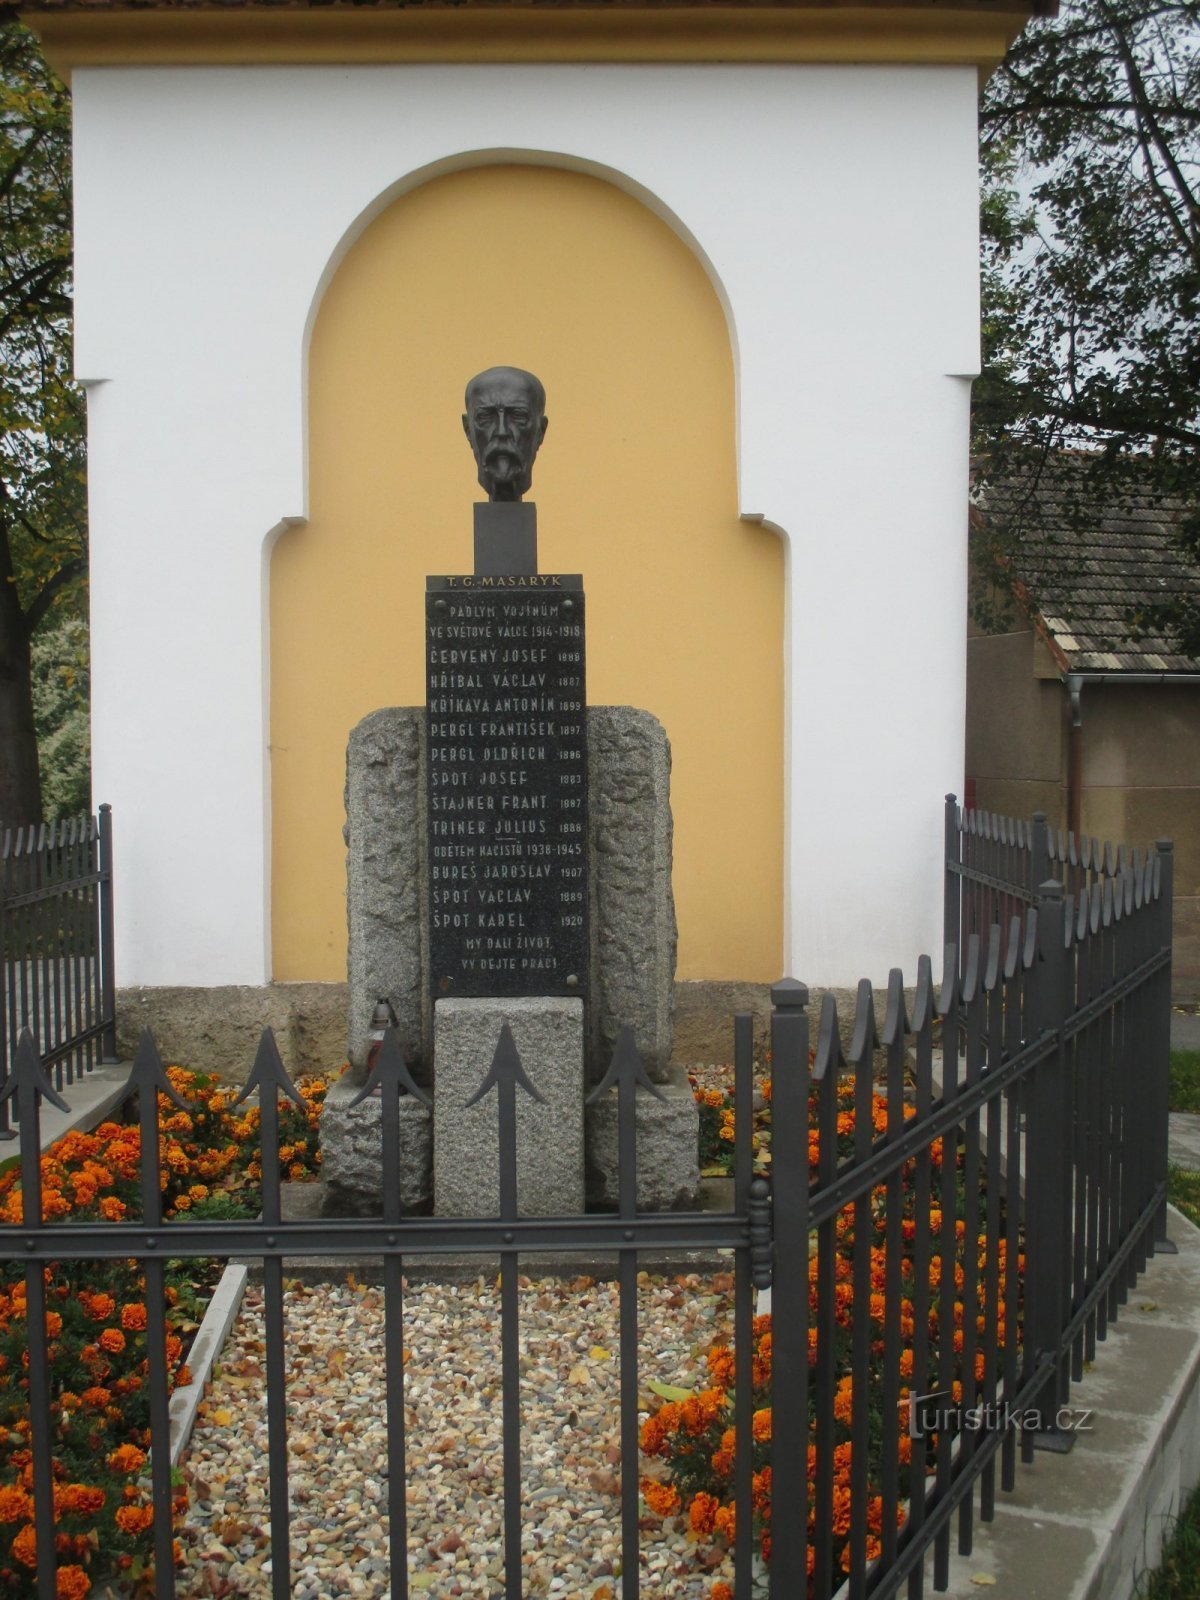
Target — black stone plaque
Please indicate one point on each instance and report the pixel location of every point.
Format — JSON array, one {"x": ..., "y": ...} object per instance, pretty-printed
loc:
[{"x": 507, "y": 785}]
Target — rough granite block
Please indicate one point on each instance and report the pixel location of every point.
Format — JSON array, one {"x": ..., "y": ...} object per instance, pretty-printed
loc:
[
  {"x": 352, "y": 1153},
  {"x": 385, "y": 882},
  {"x": 632, "y": 905},
  {"x": 668, "y": 1172},
  {"x": 549, "y": 1038}
]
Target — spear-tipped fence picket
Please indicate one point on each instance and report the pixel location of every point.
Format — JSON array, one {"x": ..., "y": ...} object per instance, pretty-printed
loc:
[
  {"x": 56, "y": 944},
  {"x": 1026, "y": 1098},
  {"x": 995, "y": 867}
]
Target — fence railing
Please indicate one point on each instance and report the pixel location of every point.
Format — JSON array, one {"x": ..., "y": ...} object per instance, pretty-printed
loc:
[
  {"x": 994, "y": 867},
  {"x": 56, "y": 944},
  {"x": 957, "y": 1206}
]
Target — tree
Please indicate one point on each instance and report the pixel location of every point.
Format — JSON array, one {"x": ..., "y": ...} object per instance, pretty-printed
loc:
[
  {"x": 60, "y": 716},
  {"x": 1090, "y": 148},
  {"x": 42, "y": 495}
]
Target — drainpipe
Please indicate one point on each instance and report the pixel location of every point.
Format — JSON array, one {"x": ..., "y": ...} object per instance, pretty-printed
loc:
[{"x": 1074, "y": 682}]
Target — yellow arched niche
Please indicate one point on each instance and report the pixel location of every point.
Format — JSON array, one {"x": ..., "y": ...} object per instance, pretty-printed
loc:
[{"x": 635, "y": 487}]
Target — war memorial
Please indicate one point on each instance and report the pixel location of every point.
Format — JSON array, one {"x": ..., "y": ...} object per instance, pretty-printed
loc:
[{"x": 509, "y": 867}]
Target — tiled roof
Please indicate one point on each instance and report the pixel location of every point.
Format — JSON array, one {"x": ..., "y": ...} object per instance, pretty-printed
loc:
[{"x": 1087, "y": 568}]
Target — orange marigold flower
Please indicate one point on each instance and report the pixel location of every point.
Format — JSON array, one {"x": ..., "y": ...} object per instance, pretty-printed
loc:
[
  {"x": 73, "y": 1583},
  {"x": 721, "y": 1365},
  {"x": 78, "y": 1499},
  {"x": 662, "y": 1499},
  {"x": 99, "y": 1306},
  {"x": 133, "y": 1317},
  {"x": 761, "y": 1425},
  {"x": 725, "y": 1522},
  {"x": 112, "y": 1340},
  {"x": 134, "y": 1519},
  {"x": 96, "y": 1397},
  {"x": 127, "y": 1458},
  {"x": 699, "y": 1411},
  {"x": 656, "y": 1429},
  {"x": 721, "y": 1591},
  {"x": 702, "y": 1513},
  {"x": 112, "y": 1210},
  {"x": 843, "y": 1400},
  {"x": 15, "y": 1504},
  {"x": 24, "y": 1546}
]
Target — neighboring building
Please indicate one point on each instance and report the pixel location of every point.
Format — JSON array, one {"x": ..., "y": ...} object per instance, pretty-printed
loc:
[
  {"x": 1072, "y": 708},
  {"x": 738, "y": 242}
]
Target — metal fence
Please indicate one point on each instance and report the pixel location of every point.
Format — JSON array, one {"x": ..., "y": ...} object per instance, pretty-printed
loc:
[
  {"x": 956, "y": 1209},
  {"x": 56, "y": 944},
  {"x": 995, "y": 866}
]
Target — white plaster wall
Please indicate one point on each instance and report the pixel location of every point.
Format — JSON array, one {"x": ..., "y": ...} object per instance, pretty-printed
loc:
[{"x": 835, "y": 208}]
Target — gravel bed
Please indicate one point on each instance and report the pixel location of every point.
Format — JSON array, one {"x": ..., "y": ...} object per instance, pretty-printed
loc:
[{"x": 570, "y": 1384}]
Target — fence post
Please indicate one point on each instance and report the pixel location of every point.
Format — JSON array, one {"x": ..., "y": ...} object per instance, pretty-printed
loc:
[
  {"x": 1160, "y": 1045},
  {"x": 1048, "y": 1147},
  {"x": 108, "y": 1038},
  {"x": 952, "y": 893},
  {"x": 789, "y": 1289}
]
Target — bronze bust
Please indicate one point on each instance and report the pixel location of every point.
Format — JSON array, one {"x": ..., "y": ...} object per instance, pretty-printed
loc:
[{"x": 505, "y": 421}]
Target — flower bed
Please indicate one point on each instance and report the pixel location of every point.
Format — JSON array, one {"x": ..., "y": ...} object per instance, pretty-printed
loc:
[
  {"x": 691, "y": 1432},
  {"x": 96, "y": 1324},
  {"x": 714, "y": 1103}
]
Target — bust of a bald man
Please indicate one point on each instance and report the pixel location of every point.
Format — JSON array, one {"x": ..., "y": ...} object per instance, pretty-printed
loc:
[{"x": 505, "y": 421}]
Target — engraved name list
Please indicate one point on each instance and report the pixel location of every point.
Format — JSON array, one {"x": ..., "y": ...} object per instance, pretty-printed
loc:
[{"x": 507, "y": 786}]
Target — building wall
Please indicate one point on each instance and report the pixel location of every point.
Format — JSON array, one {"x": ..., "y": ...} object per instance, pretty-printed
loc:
[
  {"x": 1141, "y": 763},
  {"x": 833, "y": 210},
  {"x": 1141, "y": 782},
  {"x": 1016, "y": 730}
]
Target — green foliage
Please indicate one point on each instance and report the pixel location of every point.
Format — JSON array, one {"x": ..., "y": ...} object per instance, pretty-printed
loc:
[
  {"x": 1179, "y": 1576},
  {"x": 1183, "y": 1191},
  {"x": 1090, "y": 152},
  {"x": 1185, "y": 1080},
  {"x": 60, "y": 710},
  {"x": 42, "y": 493}
]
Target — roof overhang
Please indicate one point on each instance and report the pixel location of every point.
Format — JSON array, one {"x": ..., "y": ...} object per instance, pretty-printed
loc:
[{"x": 234, "y": 35}]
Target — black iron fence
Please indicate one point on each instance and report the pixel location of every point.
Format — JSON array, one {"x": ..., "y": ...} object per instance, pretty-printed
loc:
[
  {"x": 56, "y": 944},
  {"x": 996, "y": 865},
  {"x": 956, "y": 1208}
]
